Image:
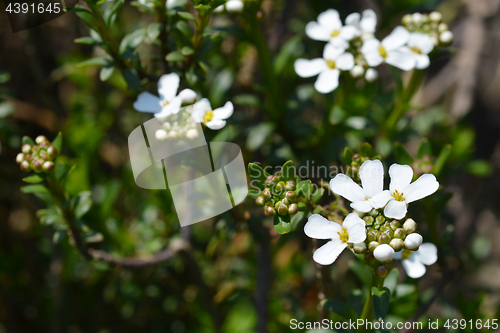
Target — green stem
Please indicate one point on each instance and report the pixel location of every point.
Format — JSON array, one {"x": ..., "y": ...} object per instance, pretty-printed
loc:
[{"x": 367, "y": 313}]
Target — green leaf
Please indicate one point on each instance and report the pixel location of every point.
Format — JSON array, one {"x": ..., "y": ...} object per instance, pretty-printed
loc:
[
  {"x": 257, "y": 179},
  {"x": 337, "y": 114},
  {"x": 425, "y": 148},
  {"x": 82, "y": 203},
  {"x": 317, "y": 195},
  {"x": 288, "y": 172},
  {"x": 142, "y": 7},
  {"x": 34, "y": 179},
  {"x": 131, "y": 41},
  {"x": 392, "y": 279},
  {"x": 361, "y": 271},
  {"x": 441, "y": 159},
  {"x": 34, "y": 189},
  {"x": 132, "y": 79},
  {"x": 355, "y": 301},
  {"x": 58, "y": 142},
  {"x": 154, "y": 30},
  {"x": 185, "y": 29},
  {"x": 286, "y": 55},
  {"x": 366, "y": 150},
  {"x": 282, "y": 224},
  {"x": 85, "y": 15},
  {"x": 479, "y": 168},
  {"x": 304, "y": 188},
  {"x": 28, "y": 141},
  {"x": 380, "y": 301},
  {"x": 92, "y": 236},
  {"x": 106, "y": 72},
  {"x": 175, "y": 56},
  {"x": 97, "y": 61},
  {"x": 402, "y": 156},
  {"x": 186, "y": 50},
  {"x": 258, "y": 134},
  {"x": 339, "y": 308},
  {"x": 347, "y": 155},
  {"x": 87, "y": 40},
  {"x": 187, "y": 16},
  {"x": 59, "y": 236},
  {"x": 61, "y": 170},
  {"x": 110, "y": 13},
  {"x": 296, "y": 219},
  {"x": 51, "y": 216}
]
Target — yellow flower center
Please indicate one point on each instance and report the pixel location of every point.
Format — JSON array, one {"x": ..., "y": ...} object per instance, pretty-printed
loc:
[
  {"x": 398, "y": 196},
  {"x": 367, "y": 198},
  {"x": 416, "y": 50},
  {"x": 165, "y": 103},
  {"x": 335, "y": 33},
  {"x": 208, "y": 116},
  {"x": 406, "y": 254},
  {"x": 344, "y": 236},
  {"x": 382, "y": 51},
  {"x": 331, "y": 64}
]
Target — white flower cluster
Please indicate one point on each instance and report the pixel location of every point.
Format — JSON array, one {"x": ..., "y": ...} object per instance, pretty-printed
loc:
[
  {"x": 232, "y": 6},
  {"x": 168, "y": 104},
  {"x": 430, "y": 25},
  {"x": 353, "y": 47},
  {"x": 378, "y": 227}
]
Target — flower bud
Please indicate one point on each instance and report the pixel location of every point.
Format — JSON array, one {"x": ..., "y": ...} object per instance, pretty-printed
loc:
[
  {"x": 291, "y": 196},
  {"x": 270, "y": 202},
  {"x": 19, "y": 158},
  {"x": 192, "y": 134},
  {"x": 442, "y": 27},
  {"x": 382, "y": 271},
  {"x": 359, "y": 248},
  {"x": 266, "y": 193},
  {"x": 435, "y": 17},
  {"x": 269, "y": 211},
  {"x": 36, "y": 165},
  {"x": 384, "y": 238},
  {"x": 40, "y": 139},
  {"x": 260, "y": 201},
  {"x": 42, "y": 154},
  {"x": 397, "y": 244},
  {"x": 52, "y": 152},
  {"x": 356, "y": 157},
  {"x": 395, "y": 225},
  {"x": 285, "y": 201},
  {"x": 48, "y": 166},
  {"x": 406, "y": 20},
  {"x": 271, "y": 180},
  {"x": 290, "y": 185},
  {"x": 383, "y": 253},
  {"x": 410, "y": 226},
  {"x": 282, "y": 209},
  {"x": 277, "y": 205},
  {"x": 413, "y": 241},
  {"x": 357, "y": 71},
  {"x": 372, "y": 246},
  {"x": 417, "y": 18},
  {"x": 280, "y": 187},
  {"x": 26, "y": 148},
  {"x": 368, "y": 220},
  {"x": 293, "y": 209},
  {"x": 25, "y": 166},
  {"x": 369, "y": 258},
  {"x": 380, "y": 220},
  {"x": 372, "y": 236},
  {"x": 389, "y": 232},
  {"x": 446, "y": 37},
  {"x": 371, "y": 75},
  {"x": 399, "y": 233}
]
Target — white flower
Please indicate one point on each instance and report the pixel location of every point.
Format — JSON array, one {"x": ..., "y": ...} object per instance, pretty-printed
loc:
[
  {"x": 334, "y": 60},
  {"x": 365, "y": 24},
  {"x": 420, "y": 45},
  {"x": 413, "y": 262},
  {"x": 169, "y": 102},
  {"x": 383, "y": 253},
  {"x": 413, "y": 241},
  {"x": 401, "y": 191},
  {"x": 351, "y": 231},
  {"x": 232, "y": 6},
  {"x": 446, "y": 37},
  {"x": 371, "y": 74},
  {"x": 171, "y": 4},
  {"x": 329, "y": 29},
  {"x": 213, "y": 119},
  {"x": 391, "y": 50},
  {"x": 357, "y": 71},
  {"x": 371, "y": 174}
]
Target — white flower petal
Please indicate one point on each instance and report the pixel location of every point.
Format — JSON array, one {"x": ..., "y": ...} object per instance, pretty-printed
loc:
[
  {"x": 373, "y": 59},
  {"x": 187, "y": 96},
  {"x": 414, "y": 268},
  {"x": 308, "y": 68},
  {"x": 413, "y": 241},
  {"x": 353, "y": 19},
  {"x": 147, "y": 102},
  {"x": 421, "y": 41},
  {"x": 351, "y": 220},
  {"x": 339, "y": 42},
  {"x": 332, "y": 52},
  {"x": 345, "y": 61},
  {"x": 400, "y": 59},
  {"x": 328, "y": 253},
  {"x": 395, "y": 209},
  {"x": 427, "y": 254},
  {"x": 424, "y": 186},
  {"x": 371, "y": 174},
  {"x": 348, "y": 32},
  {"x": 327, "y": 81},
  {"x": 171, "y": 4},
  {"x": 362, "y": 206},
  {"x": 168, "y": 85},
  {"x": 369, "y": 21},
  {"x": 320, "y": 228},
  {"x": 383, "y": 253},
  {"x": 172, "y": 108},
  {"x": 317, "y": 32},
  {"x": 234, "y": 6},
  {"x": 397, "y": 38},
  {"x": 216, "y": 124},
  {"x": 370, "y": 45},
  {"x": 422, "y": 61},
  {"x": 401, "y": 176},
  {"x": 330, "y": 19},
  {"x": 224, "y": 112},
  {"x": 219, "y": 9},
  {"x": 357, "y": 233},
  {"x": 381, "y": 199},
  {"x": 200, "y": 108},
  {"x": 347, "y": 188},
  {"x": 398, "y": 255}
]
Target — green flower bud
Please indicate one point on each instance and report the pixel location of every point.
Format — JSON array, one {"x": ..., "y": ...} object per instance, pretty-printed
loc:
[
  {"x": 356, "y": 157},
  {"x": 389, "y": 232},
  {"x": 19, "y": 158},
  {"x": 382, "y": 271},
  {"x": 384, "y": 238},
  {"x": 37, "y": 166},
  {"x": 40, "y": 139},
  {"x": 277, "y": 205},
  {"x": 25, "y": 166},
  {"x": 43, "y": 154},
  {"x": 270, "y": 202},
  {"x": 282, "y": 209},
  {"x": 291, "y": 196},
  {"x": 372, "y": 236},
  {"x": 400, "y": 233},
  {"x": 271, "y": 180},
  {"x": 368, "y": 220},
  {"x": 52, "y": 152},
  {"x": 410, "y": 226},
  {"x": 26, "y": 148},
  {"x": 269, "y": 211},
  {"x": 293, "y": 209},
  {"x": 48, "y": 166},
  {"x": 260, "y": 201},
  {"x": 395, "y": 225},
  {"x": 380, "y": 220},
  {"x": 280, "y": 187},
  {"x": 406, "y": 20},
  {"x": 397, "y": 244},
  {"x": 285, "y": 201},
  {"x": 359, "y": 248},
  {"x": 290, "y": 185},
  {"x": 372, "y": 246},
  {"x": 369, "y": 258}
]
